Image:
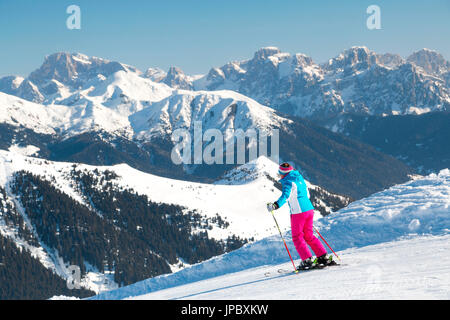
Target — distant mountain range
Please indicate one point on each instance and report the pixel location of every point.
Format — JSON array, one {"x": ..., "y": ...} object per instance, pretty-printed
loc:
[
  {"x": 97, "y": 135},
  {"x": 357, "y": 81},
  {"x": 92, "y": 110}
]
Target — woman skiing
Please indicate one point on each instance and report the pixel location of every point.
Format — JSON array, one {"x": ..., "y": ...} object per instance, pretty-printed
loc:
[{"x": 295, "y": 192}]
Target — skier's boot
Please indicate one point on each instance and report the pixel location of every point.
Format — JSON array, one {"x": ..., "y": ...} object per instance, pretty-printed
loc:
[
  {"x": 324, "y": 261},
  {"x": 306, "y": 264}
]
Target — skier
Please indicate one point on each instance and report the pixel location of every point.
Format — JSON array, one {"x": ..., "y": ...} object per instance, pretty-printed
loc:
[{"x": 295, "y": 192}]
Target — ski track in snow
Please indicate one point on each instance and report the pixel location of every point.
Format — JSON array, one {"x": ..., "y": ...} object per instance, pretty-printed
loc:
[{"x": 403, "y": 269}]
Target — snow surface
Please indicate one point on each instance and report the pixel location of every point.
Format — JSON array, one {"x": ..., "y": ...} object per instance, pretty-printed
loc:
[
  {"x": 404, "y": 269},
  {"x": 420, "y": 206},
  {"x": 28, "y": 150},
  {"x": 391, "y": 241}
]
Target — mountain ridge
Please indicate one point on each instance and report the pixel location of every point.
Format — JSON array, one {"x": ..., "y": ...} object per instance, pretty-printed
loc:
[
  {"x": 58, "y": 210},
  {"x": 294, "y": 84}
]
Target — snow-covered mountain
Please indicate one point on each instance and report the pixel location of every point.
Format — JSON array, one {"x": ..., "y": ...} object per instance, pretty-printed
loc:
[
  {"x": 21, "y": 87},
  {"x": 206, "y": 206},
  {"x": 356, "y": 81},
  {"x": 78, "y": 80},
  {"x": 75, "y": 69},
  {"x": 383, "y": 240},
  {"x": 368, "y": 87},
  {"x": 99, "y": 126},
  {"x": 59, "y": 119},
  {"x": 89, "y": 110},
  {"x": 269, "y": 77},
  {"x": 222, "y": 110},
  {"x": 430, "y": 61},
  {"x": 123, "y": 92},
  {"x": 175, "y": 78},
  {"x": 104, "y": 112}
]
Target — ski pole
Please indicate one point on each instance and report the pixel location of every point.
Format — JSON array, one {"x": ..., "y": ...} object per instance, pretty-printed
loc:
[
  {"x": 326, "y": 242},
  {"x": 285, "y": 245}
]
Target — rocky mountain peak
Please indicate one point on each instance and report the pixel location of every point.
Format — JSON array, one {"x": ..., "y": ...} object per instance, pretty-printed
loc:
[
  {"x": 431, "y": 61},
  {"x": 355, "y": 58},
  {"x": 74, "y": 68},
  {"x": 265, "y": 52},
  {"x": 176, "y": 78}
]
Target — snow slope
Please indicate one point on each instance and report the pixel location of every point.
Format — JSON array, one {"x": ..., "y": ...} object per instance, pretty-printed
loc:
[
  {"x": 393, "y": 270},
  {"x": 243, "y": 206},
  {"x": 124, "y": 92},
  {"x": 414, "y": 209},
  {"x": 55, "y": 119},
  {"x": 247, "y": 215}
]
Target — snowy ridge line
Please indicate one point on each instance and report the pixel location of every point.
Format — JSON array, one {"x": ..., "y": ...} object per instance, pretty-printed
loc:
[
  {"x": 61, "y": 119},
  {"x": 364, "y": 222},
  {"x": 420, "y": 206},
  {"x": 133, "y": 107},
  {"x": 244, "y": 217},
  {"x": 56, "y": 172}
]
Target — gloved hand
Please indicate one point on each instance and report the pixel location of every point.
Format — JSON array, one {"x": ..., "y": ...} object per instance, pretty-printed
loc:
[{"x": 272, "y": 206}]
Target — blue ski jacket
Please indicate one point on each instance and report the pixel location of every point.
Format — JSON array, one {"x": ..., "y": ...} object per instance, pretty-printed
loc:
[{"x": 295, "y": 193}]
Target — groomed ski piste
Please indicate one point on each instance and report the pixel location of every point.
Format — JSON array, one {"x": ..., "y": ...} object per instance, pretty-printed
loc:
[{"x": 393, "y": 245}]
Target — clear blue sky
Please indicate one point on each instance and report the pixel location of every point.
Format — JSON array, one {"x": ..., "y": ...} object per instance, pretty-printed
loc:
[{"x": 196, "y": 35}]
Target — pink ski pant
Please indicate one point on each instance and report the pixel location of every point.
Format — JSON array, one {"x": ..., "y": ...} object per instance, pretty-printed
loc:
[{"x": 303, "y": 235}]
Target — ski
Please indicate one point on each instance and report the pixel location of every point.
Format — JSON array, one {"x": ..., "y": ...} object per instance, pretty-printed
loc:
[{"x": 286, "y": 271}]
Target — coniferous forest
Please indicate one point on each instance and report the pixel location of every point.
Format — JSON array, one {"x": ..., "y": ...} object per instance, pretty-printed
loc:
[
  {"x": 113, "y": 229},
  {"x": 24, "y": 277}
]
